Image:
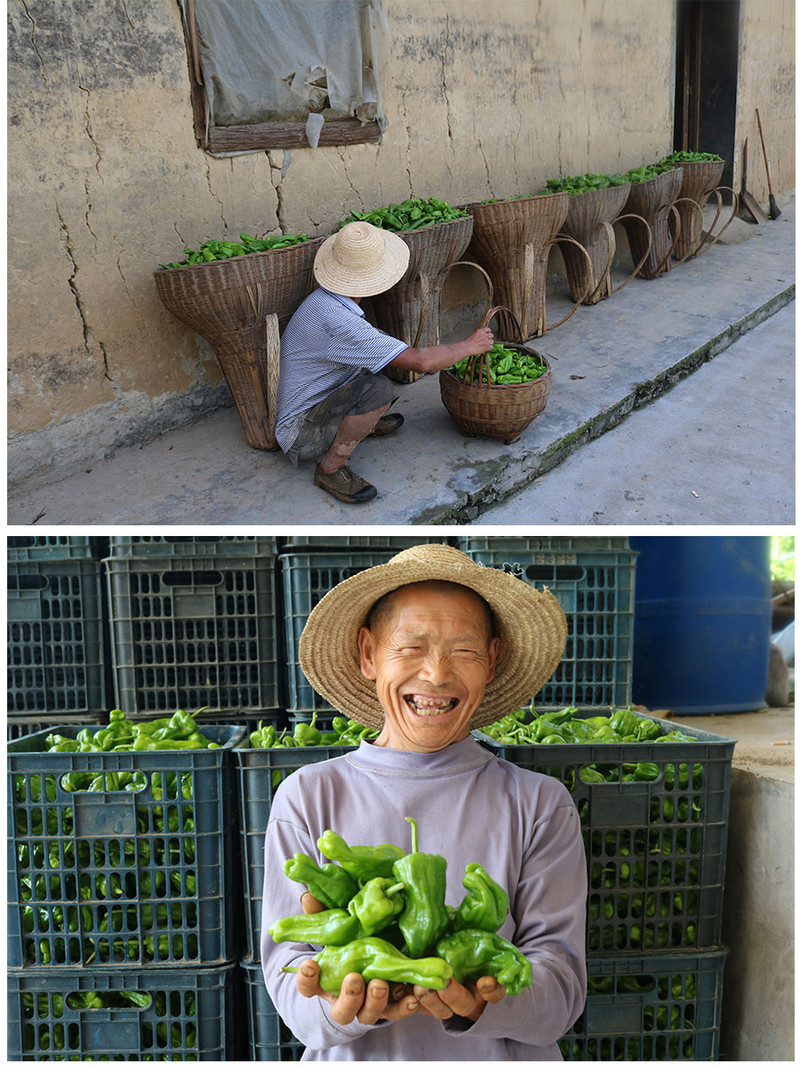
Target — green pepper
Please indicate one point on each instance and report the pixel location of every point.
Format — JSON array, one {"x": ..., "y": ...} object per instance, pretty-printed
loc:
[
  {"x": 329, "y": 883},
  {"x": 377, "y": 903},
  {"x": 474, "y": 953},
  {"x": 375, "y": 958},
  {"x": 306, "y": 733},
  {"x": 333, "y": 927},
  {"x": 486, "y": 905},
  {"x": 424, "y": 918},
  {"x": 362, "y": 862}
]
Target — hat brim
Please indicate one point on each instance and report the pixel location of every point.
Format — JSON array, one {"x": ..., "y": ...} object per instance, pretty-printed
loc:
[
  {"x": 531, "y": 626},
  {"x": 351, "y": 282}
]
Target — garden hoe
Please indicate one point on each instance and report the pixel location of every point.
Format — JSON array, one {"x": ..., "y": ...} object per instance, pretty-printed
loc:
[{"x": 774, "y": 211}]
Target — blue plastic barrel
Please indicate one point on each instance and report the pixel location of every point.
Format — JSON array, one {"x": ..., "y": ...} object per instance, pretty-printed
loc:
[{"x": 703, "y": 616}]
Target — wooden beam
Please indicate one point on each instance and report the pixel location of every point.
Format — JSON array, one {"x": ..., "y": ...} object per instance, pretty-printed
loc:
[{"x": 289, "y": 135}]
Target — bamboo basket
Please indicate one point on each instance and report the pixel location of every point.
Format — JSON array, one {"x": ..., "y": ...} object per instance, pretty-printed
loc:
[
  {"x": 589, "y": 222},
  {"x": 410, "y": 310},
  {"x": 654, "y": 201},
  {"x": 497, "y": 411},
  {"x": 700, "y": 180},
  {"x": 512, "y": 240},
  {"x": 240, "y": 306}
]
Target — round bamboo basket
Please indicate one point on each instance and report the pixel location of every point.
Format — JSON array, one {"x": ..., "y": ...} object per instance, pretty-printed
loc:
[
  {"x": 240, "y": 306},
  {"x": 654, "y": 201},
  {"x": 512, "y": 241},
  {"x": 700, "y": 179},
  {"x": 589, "y": 222},
  {"x": 410, "y": 310},
  {"x": 496, "y": 411}
]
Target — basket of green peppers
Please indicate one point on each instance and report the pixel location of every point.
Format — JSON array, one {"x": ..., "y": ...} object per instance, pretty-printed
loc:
[
  {"x": 702, "y": 173},
  {"x": 386, "y": 918},
  {"x": 497, "y": 394}
]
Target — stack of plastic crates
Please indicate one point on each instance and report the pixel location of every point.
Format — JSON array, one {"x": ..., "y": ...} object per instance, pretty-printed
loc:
[
  {"x": 655, "y": 849},
  {"x": 309, "y": 567},
  {"x": 194, "y": 625},
  {"x": 56, "y": 665},
  {"x": 123, "y": 886},
  {"x": 261, "y": 771}
]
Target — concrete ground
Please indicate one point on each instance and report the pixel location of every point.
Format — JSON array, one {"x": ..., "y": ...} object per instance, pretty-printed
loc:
[
  {"x": 694, "y": 455},
  {"x": 608, "y": 360}
]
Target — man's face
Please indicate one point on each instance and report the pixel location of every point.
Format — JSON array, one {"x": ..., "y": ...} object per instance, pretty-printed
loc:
[{"x": 431, "y": 658}]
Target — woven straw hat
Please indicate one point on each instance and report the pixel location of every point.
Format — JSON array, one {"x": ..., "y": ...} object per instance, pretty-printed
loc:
[
  {"x": 361, "y": 260},
  {"x": 531, "y": 626}
]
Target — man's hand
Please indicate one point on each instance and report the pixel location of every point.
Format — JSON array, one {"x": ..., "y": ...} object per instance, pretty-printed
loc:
[
  {"x": 457, "y": 1000},
  {"x": 367, "y": 1004},
  {"x": 377, "y": 1001},
  {"x": 479, "y": 341}
]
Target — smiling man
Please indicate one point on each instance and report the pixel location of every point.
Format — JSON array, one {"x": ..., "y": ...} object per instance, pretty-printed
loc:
[{"x": 425, "y": 648}]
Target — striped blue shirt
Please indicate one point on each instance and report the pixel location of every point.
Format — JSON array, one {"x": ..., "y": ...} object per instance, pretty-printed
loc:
[{"x": 326, "y": 344}]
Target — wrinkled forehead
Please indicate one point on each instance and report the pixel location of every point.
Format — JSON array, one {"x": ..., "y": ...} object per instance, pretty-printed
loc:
[{"x": 419, "y": 593}]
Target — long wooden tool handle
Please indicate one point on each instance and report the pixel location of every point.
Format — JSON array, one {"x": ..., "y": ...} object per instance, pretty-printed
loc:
[{"x": 764, "y": 148}]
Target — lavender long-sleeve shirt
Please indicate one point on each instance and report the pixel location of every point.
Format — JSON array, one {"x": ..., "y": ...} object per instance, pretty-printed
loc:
[{"x": 470, "y": 807}]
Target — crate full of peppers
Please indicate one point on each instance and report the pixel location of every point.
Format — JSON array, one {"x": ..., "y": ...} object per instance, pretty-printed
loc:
[
  {"x": 665, "y": 1007},
  {"x": 272, "y": 756},
  {"x": 124, "y": 1014},
  {"x": 653, "y": 803},
  {"x": 121, "y": 842}
]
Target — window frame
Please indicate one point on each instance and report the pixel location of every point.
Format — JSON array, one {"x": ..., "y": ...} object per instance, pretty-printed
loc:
[{"x": 255, "y": 137}]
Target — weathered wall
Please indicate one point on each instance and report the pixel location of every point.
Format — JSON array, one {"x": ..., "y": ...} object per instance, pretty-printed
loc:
[
  {"x": 767, "y": 82},
  {"x": 105, "y": 180}
]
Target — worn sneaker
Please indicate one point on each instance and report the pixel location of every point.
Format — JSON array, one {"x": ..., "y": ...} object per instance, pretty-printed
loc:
[
  {"x": 345, "y": 485},
  {"x": 387, "y": 424}
]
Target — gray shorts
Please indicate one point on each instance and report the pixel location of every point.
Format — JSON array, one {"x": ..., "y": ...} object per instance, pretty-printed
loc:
[{"x": 367, "y": 392}]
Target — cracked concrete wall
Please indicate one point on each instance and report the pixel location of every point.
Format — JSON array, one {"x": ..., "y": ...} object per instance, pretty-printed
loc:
[{"x": 105, "y": 180}]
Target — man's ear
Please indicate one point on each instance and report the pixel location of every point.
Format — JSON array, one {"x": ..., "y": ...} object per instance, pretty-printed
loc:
[
  {"x": 494, "y": 645},
  {"x": 366, "y": 649}
]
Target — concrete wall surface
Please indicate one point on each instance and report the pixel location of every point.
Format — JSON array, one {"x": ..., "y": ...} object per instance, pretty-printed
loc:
[
  {"x": 106, "y": 181},
  {"x": 758, "y": 914}
]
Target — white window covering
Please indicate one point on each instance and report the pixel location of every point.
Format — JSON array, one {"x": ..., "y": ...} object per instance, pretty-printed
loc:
[{"x": 265, "y": 61}]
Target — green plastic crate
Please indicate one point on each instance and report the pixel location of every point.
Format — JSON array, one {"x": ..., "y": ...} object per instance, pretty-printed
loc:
[
  {"x": 306, "y": 577},
  {"x": 194, "y": 632},
  {"x": 188, "y": 1015},
  {"x": 660, "y": 1008},
  {"x": 139, "y": 875},
  {"x": 595, "y": 588},
  {"x": 269, "y": 1038},
  {"x": 261, "y": 771},
  {"x": 55, "y": 639},
  {"x": 188, "y": 546},
  {"x": 656, "y": 849},
  {"x": 43, "y": 548}
]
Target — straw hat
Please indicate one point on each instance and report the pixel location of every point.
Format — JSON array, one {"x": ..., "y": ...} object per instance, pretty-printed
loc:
[
  {"x": 531, "y": 626},
  {"x": 361, "y": 260}
]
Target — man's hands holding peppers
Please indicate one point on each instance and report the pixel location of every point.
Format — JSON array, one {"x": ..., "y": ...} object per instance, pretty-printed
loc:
[{"x": 378, "y": 1000}]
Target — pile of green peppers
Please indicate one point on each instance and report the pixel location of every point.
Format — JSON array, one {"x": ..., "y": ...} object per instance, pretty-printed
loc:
[
  {"x": 386, "y": 918},
  {"x": 344, "y": 732},
  {"x": 215, "y": 250},
  {"x": 408, "y": 215},
  {"x": 507, "y": 365},
  {"x": 648, "y": 171},
  {"x": 680, "y": 157},
  {"x": 581, "y": 184},
  {"x": 45, "y": 1032}
]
